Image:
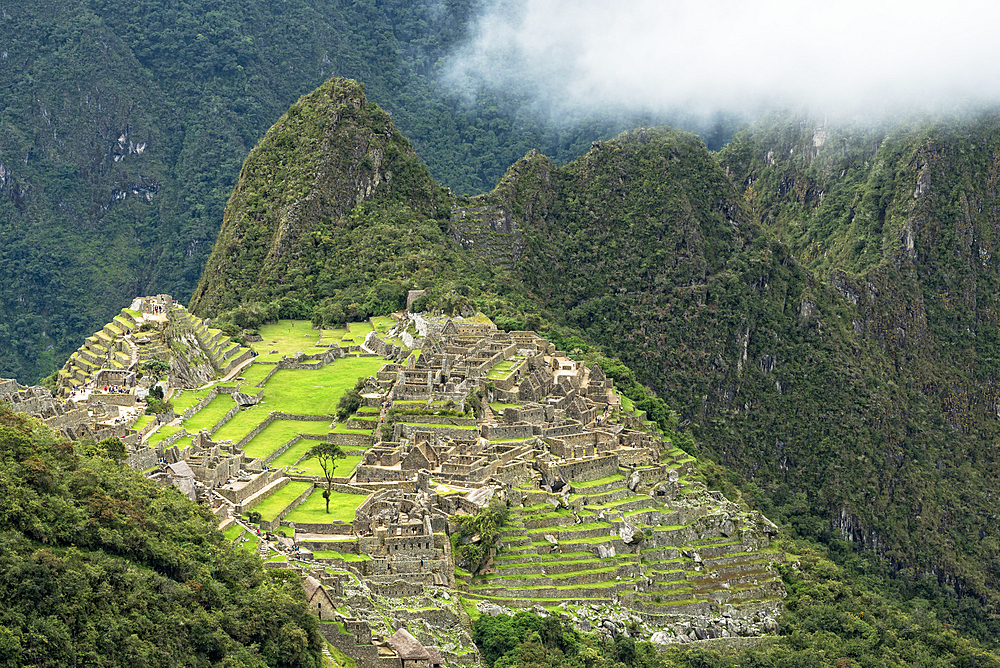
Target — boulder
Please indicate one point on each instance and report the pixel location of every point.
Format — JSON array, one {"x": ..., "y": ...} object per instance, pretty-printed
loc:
[
  {"x": 604, "y": 551},
  {"x": 661, "y": 638}
]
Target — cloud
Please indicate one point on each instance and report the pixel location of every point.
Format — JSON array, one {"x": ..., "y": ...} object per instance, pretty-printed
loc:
[{"x": 703, "y": 56}]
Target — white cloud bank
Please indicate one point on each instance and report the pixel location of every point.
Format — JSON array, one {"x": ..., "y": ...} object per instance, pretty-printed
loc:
[{"x": 701, "y": 56}]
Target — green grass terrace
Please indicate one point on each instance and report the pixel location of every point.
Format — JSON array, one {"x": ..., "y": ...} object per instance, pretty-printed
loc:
[
  {"x": 503, "y": 369},
  {"x": 279, "y": 500},
  {"x": 280, "y": 432},
  {"x": 210, "y": 414},
  {"x": 292, "y": 336},
  {"x": 308, "y": 392},
  {"x": 313, "y": 510}
]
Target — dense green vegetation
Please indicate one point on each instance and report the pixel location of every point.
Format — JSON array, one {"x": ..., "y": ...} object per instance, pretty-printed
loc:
[
  {"x": 102, "y": 568},
  {"x": 125, "y": 124}
]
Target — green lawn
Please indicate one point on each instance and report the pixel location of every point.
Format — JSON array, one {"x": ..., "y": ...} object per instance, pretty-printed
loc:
[
  {"x": 292, "y": 454},
  {"x": 210, "y": 414},
  {"x": 249, "y": 542},
  {"x": 242, "y": 424},
  {"x": 143, "y": 421},
  {"x": 357, "y": 333},
  {"x": 292, "y": 336},
  {"x": 503, "y": 369},
  {"x": 280, "y": 432},
  {"x": 313, "y": 511},
  {"x": 308, "y": 392},
  {"x": 278, "y": 501},
  {"x": 160, "y": 434},
  {"x": 383, "y": 323},
  {"x": 185, "y": 399},
  {"x": 233, "y": 532},
  {"x": 254, "y": 374}
]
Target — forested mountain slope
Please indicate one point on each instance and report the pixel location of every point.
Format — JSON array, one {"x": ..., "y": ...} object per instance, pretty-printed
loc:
[
  {"x": 125, "y": 125},
  {"x": 794, "y": 378},
  {"x": 101, "y": 567}
]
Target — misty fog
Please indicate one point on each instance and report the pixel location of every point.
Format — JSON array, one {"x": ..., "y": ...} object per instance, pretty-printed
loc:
[{"x": 705, "y": 56}]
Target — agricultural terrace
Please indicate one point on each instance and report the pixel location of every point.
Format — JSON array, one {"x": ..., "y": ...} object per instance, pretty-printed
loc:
[
  {"x": 242, "y": 423},
  {"x": 280, "y": 432},
  {"x": 308, "y": 392},
  {"x": 343, "y": 469},
  {"x": 185, "y": 399},
  {"x": 355, "y": 336},
  {"x": 313, "y": 510},
  {"x": 503, "y": 369},
  {"x": 292, "y": 336},
  {"x": 255, "y": 373},
  {"x": 210, "y": 414},
  {"x": 279, "y": 500}
]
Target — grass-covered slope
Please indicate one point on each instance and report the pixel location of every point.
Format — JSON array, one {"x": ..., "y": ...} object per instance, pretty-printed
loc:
[{"x": 98, "y": 566}]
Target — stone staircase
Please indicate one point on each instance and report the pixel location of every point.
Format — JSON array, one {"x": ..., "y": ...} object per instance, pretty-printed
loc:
[{"x": 223, "y": 353}]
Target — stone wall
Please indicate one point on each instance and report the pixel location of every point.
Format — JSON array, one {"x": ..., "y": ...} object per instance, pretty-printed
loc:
[
  {"x": 514, "y": 474},
  {"x": 238, "y": 496},
  {"x": 366, "y": 656},
  {"x": 331, "y": 529},
  {"x": 492, "y": 431},
  {"x": 366, "y": 473},
  {"x": 142, "y": 459},
  {"x": 214, "y": 392},
  {"x": 281, "y": 450},
  {"x": 587, "y": 469},
  {"x": 362, "y": 441},
  {"x": 444, "y": 420},
  {"x": 114, "y": 399},
  {"x": 255, "y": 431},
  {"x": 225, "y": 418},
  {"x": 403, "y": 430},
  {"x": 269, "y": 373}
]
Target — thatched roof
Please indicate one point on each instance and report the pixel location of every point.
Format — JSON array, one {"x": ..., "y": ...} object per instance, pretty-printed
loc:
[
  {"x": 434, "y": 655},
  {"x": 311, "y": 585},
  {"x": 407, "y": 647},
  {"x": 181, "y": 469}
]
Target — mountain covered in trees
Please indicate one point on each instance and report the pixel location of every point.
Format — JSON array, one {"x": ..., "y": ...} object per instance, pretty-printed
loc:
[
  {"x": 815, "y": 306},
  {"x": 102, "y": 567},
  {"x": 125, "y": 125}
]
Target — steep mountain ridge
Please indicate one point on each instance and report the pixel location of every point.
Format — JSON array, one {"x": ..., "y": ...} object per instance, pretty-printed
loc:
[
  {"x": 831, "y": 394},
  {"x": 126, "y": 123}
]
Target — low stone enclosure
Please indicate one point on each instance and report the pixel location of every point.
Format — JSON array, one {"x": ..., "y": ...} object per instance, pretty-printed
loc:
[{"x": 606, "y": 515}]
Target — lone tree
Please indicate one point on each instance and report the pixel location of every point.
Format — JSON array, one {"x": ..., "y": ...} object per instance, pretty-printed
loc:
[{"x": 328, "y": 454}]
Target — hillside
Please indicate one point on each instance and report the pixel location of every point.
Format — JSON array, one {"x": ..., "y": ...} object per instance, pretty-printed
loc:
[
  {"x": 102, "y": 567},
  {"x": 646, "y": 247},
  {"x": 125, "y": 126}
]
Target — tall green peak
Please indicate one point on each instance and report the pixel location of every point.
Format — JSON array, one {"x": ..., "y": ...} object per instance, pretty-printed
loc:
[{"x": 332, "y": 166}]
